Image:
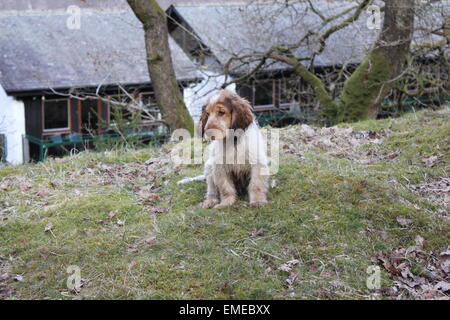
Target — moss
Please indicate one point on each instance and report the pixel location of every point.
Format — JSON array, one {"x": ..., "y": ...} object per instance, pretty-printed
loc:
[
  {"x": 155, "y": 59},
  {"x": 6, "y": 170},
  {"x": 361, "y": 90},
  {"x": 157, "y": 9},
  {"x": 183, "y": 118},
  {"x": 318, "y": 86}
]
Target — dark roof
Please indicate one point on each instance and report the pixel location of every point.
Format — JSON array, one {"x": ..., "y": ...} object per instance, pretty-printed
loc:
[
  {"x": 28, "y": 5},
  {"x": 39, "y": 51},
  {"x": 229, "y": 30},
  {"x": 99, "y": 4}
]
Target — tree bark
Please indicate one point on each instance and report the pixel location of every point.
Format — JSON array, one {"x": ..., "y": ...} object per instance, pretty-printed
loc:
[
  {"x": 160, "y": 65},
  {"x": 365, "y": 90}
]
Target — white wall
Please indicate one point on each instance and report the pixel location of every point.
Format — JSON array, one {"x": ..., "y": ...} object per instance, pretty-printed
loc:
[
  {"x": 196, "y": 95},
  {"x": 12, "y": 124}
]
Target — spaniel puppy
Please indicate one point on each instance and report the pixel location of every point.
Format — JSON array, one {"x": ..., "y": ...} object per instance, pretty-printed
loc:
[{"x": 238, "y": 159}]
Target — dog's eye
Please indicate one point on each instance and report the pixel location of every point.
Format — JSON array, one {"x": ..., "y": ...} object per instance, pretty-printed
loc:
[{"x": 221, "y": 113}]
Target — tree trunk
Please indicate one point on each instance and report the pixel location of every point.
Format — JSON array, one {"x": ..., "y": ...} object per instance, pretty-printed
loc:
[
  {"x": 367, "y": 87},
  {"x": 160, "y": 66}
]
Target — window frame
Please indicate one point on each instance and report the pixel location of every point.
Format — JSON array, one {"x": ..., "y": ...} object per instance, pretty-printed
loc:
[
  {"x": 57, "y": 130},
  {"x": 277, "y": 103},
  {"x": 263, "y": 106},
  {"x": 98, "y": 110}
]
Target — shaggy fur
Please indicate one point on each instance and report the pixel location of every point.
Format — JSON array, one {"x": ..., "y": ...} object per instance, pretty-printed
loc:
[{"x": 238, "y": 159}]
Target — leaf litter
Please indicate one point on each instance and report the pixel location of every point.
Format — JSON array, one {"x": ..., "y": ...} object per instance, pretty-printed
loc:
[
  {"x": 339, "y": 142},
  {"x": 416, "y": 273}
]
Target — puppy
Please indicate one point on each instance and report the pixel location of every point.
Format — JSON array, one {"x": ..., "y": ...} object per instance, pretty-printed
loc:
[{"x": 237, "y": 160}]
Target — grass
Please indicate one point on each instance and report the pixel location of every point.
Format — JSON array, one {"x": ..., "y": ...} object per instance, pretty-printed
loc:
[{"x": 328, "y": 212}]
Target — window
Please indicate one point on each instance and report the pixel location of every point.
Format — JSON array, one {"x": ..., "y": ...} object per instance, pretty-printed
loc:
[
  {"x": 263, "y": 92},
  {"x": 287, "y": 90},
  {"x": 56, "y": 115},
  {"x": 271, "y": 93}
]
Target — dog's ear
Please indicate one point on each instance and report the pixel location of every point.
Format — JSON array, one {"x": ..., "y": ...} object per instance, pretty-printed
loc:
[
  {"x": 242, "y": 115},
  {"x": 202, "y": 122}
]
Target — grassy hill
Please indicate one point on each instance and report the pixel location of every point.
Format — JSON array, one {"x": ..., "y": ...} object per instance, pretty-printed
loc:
[{"x": 345, "y": 199}]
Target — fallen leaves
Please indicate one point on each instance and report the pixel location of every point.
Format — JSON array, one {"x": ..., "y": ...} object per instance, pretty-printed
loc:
[
  {"x": 257, "y": 232},
  {"x": 87, "y": 233},
  {"x": 151, "y": 240},
  {"x": 25, "y": 186},
  {"x": 404, "y": 221},
  {"x": 288, "y": 265},
  {"x": 157, "y": 210},
  {"x": 55, "y": 183},
  {"x": 149, "y": 198},
  {"x": 340, "y": 142},
  {"x": 132, "y": 249},
  {"x": 48, "y": 227},
  {"x": 4, "y": 277},
  {"x": 293, "y": 277},
  {"x": 430, "y": 162},
  {"x": 4, "y": 186},
  {"x": 5, "y": 290},
  {"x": 111, "y": 215},
  {"x": 43, "y": 193},
  {"x": 417, "y": 273}
]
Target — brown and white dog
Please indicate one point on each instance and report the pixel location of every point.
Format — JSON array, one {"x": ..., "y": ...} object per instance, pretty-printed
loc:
[{"x": 238, "y": 159}]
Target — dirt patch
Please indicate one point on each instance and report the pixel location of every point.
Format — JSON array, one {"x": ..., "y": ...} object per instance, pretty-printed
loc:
[{"x": 339, "y": 142}]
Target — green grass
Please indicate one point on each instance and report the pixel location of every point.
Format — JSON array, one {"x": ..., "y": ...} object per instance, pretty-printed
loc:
[{"x": 330, "y": 213}]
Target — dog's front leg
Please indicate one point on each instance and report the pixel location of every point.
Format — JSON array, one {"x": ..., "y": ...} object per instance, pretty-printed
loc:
[
  {"x": 226, "y": 188},
  {"x": 212, "y": 196},
  {"x": 258, "y": 186}
]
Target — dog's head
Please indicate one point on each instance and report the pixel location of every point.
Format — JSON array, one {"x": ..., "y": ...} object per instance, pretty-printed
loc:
[{"x": 224, "y": 111}]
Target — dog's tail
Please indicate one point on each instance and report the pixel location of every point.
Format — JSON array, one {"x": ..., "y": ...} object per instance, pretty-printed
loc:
[{"x": 188, "y": 179}]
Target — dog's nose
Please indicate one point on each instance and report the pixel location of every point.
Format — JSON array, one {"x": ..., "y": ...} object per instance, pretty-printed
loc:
[{"x": 213, "y": 134}]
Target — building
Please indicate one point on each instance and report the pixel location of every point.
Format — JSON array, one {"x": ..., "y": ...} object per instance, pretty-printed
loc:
[{"x": 63, "y": 70}]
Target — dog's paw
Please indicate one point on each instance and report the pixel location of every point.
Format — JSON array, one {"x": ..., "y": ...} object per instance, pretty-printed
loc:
[
  {"x": 257, "y": 204},
  {"x": 225, "y": 203},
  {"x": 209, "y": 203}
]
